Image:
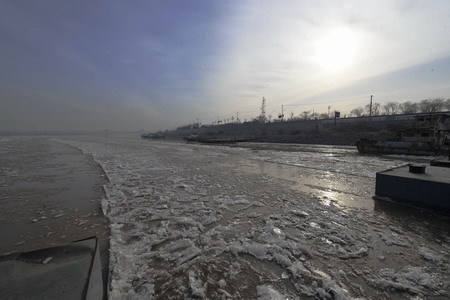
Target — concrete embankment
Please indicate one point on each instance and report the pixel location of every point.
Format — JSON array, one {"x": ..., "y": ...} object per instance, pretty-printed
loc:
[{"x": 328, "y": 132}]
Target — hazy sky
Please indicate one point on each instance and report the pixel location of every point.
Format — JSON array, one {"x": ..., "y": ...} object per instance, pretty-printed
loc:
[{"x": 160, "y": 64}]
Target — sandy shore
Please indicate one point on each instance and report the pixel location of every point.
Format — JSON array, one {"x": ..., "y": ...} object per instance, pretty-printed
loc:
[{"x": 49, "y": 193}]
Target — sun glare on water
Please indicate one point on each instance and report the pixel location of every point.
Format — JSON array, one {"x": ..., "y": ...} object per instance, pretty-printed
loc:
[{"x": 336, "y": 50}]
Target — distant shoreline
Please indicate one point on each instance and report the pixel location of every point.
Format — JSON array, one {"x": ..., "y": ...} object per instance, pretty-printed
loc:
[{"x": 345, "y": 131}]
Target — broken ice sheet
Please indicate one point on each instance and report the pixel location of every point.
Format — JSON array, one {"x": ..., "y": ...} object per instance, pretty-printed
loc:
[
  {"x": 412, "y": 280},
  {"x": 175, "y": 214},
  {"x": 430, "y": 255},
  {"x": 394, "y": 238},
  {"x": 265, "y": 292}
]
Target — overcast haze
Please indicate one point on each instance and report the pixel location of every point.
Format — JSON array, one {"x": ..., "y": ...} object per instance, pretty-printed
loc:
[{"x": 129, "y": 65}]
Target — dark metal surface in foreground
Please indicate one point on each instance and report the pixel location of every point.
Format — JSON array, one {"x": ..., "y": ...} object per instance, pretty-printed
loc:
[
  {"x": 50, "y": 195},
  {"x": 440, "y": 163},
  {"x": 429, "y": 190},
  {"x": 69, "y": 271}
]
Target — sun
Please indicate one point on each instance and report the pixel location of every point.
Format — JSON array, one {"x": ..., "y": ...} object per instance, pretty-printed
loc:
[{"x": 335, "y": 51}]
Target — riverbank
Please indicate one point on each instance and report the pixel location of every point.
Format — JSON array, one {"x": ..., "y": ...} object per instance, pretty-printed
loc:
[
  {"x": 50, "y": 196},
  {"x": 344, "y": 131}
]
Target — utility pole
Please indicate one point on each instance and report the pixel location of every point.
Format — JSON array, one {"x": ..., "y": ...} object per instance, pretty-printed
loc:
[
  {"x": 370, "y": 108},
  {"x": 280, "y": 116}
]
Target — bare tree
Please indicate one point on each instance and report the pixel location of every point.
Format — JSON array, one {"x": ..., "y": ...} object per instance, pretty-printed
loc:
[
  {"x": 447, "y": 104},
  {"x": 305, "y": 115},
  {"x": 432, "y": 105},
  {"x": 390, "y": 108},
  {"x": 375, "y": 109},
  {"x": 357, "y": 112},
  {"x": 408, "y": 107},
  {"x": 323, "y": 116},
  {"x": 291, "y": 115}
]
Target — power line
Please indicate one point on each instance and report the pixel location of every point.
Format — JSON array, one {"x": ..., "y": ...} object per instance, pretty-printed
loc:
[
  {"x": 323, "y": 102},
  {"x": 249, "y": 114}
]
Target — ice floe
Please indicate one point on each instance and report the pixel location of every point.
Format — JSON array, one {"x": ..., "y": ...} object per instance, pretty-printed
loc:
[{"x": 189, "y": 221}]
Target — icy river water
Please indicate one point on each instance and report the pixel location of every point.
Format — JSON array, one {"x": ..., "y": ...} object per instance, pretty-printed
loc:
[{"x": 268, "y": 221}]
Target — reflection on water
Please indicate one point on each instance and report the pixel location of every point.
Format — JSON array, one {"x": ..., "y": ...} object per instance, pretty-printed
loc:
[
  {"x": 329, "y": 188},
  {"x": 341, "y": 160},
  {"x": 328, "y": 197},
  {"x": 333, "y": 175},
  {"x": 324, "y": 176}
]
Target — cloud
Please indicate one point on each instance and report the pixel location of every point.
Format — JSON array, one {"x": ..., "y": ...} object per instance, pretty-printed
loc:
[
  {"x": 152, "y": 64},
  {"x": 275, "y": 45}
]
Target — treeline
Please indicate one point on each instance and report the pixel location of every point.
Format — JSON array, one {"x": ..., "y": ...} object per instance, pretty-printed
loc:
[
  {"x": 389, "y": 108},
  {"x": 431, "y": 105},
  {"x": 408, "y": 107}
]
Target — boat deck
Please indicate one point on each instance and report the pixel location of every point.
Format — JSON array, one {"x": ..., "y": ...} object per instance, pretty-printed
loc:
[{"x": 430, "y": 190}]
